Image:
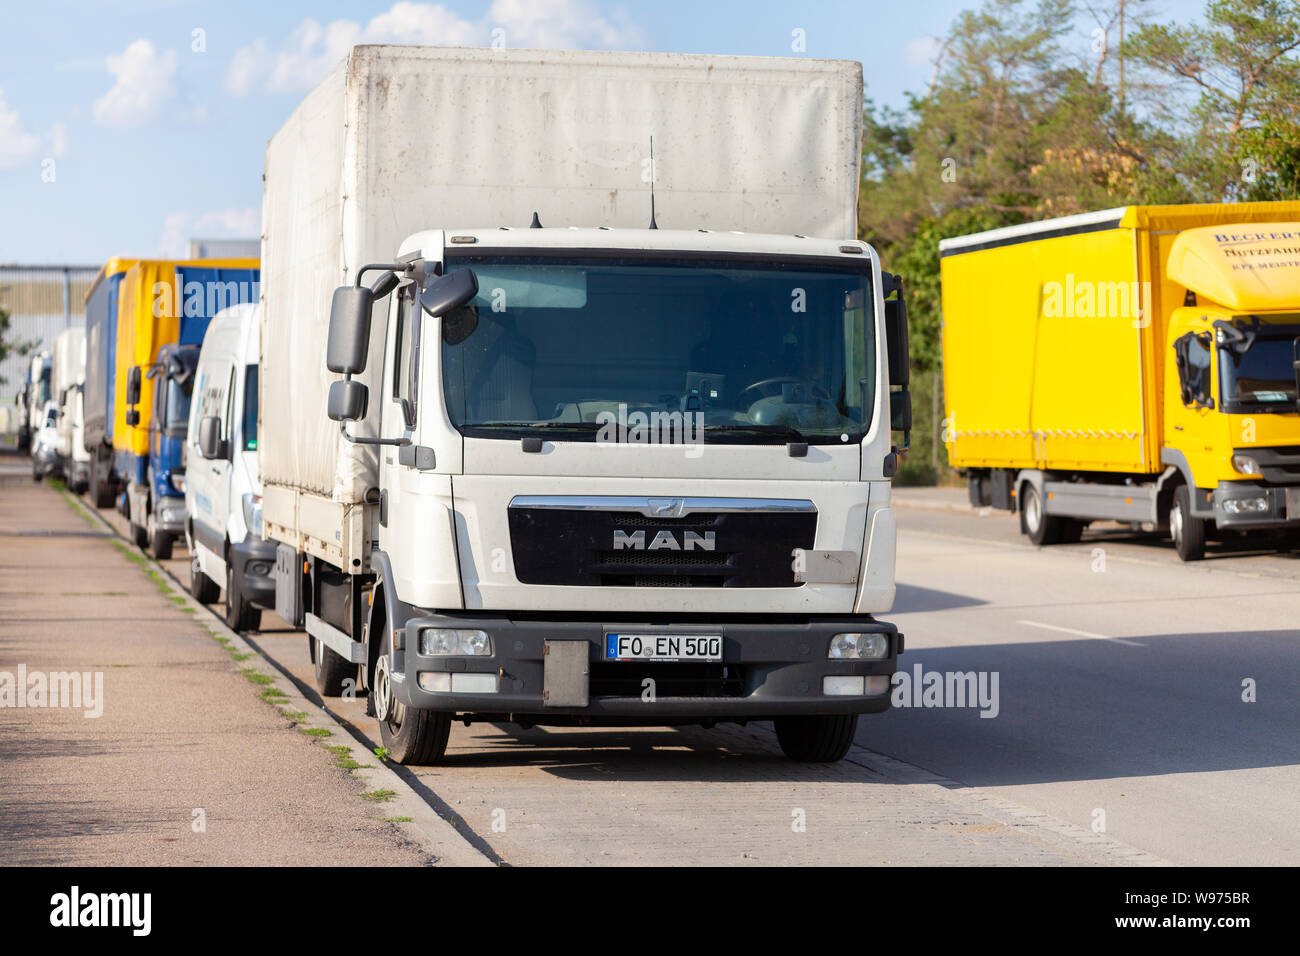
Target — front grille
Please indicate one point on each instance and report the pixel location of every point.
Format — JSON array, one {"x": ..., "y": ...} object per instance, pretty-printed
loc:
[
  {"x": 733, "y": 549},
  {"x": 1280, "y": 465},
  {"x": 671, "y": 679}
]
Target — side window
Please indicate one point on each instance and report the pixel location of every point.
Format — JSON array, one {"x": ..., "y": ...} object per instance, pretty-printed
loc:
[
  {"x": 228, "y": 417},
  {"x": 1192, "y": 354},
  {"x": 405, "y": 347}
]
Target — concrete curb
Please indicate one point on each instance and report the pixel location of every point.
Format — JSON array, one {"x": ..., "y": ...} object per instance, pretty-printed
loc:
[{"x": 435, "y": 835}]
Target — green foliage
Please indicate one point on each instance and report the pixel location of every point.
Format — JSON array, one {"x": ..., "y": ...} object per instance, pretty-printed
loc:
[
  {"x": 1018, "y": 126},
  {"x": 8, "y": 344}
]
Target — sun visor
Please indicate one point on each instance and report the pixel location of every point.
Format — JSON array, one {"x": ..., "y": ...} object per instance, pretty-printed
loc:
[{"x": 1251, "y": 267}]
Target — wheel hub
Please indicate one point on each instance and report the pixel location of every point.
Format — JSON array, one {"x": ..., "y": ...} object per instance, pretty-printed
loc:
[{"x": 383, "y": 689}]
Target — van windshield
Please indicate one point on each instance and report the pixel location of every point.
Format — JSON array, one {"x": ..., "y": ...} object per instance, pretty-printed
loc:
[{"x": 761, "y": 349}]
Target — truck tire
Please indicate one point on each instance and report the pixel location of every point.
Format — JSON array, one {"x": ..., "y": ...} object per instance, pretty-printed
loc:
[
  {"x": 240, "y": 614},
  {"x": 160, "y": 545},
  {"x": 139, "y": 537},
  {"x": 412, "y": 737},
  {"x": 202, "y": 588},
  {"x": 1187, "y": 531},
  {"x": 816, "y": 739},
  {"x": 331, "y": 669},
  {"x": 1038, "y": 527},
  {"x": 100, "y": 491}
]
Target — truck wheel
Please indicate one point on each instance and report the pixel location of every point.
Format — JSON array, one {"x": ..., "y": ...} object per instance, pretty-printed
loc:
[
  {"x": 816, "y": 739},
  {"x": 202, "y": 587},
  {"x": 1187, "y": 531},
  {"x": 1038, "y": 527},
  {"x": 140, "y": 537},
  {"x": 101, "y": 493},
  {"x": 412, "y": 737},
  {"x": 1072, "y": 530},
  {"x": 240, "y": 615},
  {"x": 331, "y": 669},
  {"x": 160, "y": 544}
]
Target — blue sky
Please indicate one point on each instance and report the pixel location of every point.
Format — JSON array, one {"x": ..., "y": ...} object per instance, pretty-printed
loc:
[{"x": 128, "y": 127}]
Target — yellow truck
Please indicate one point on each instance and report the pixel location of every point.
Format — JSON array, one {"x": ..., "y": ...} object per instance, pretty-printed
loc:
[{"x": 1136, "y": 364}]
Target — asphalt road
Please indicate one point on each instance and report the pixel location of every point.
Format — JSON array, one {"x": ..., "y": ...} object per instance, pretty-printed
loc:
[
  {"x": 1120, "y": 736},
  {"x": 1122, "y": 678}
]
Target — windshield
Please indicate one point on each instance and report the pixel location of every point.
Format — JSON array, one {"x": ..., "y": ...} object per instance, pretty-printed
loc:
[
  {"x": 754, "y": 350},
  {"x": 1263, "y": 374},
  {"x": 177, "y": 407}
]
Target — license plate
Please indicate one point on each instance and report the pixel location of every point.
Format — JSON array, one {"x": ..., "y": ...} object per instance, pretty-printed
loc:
[
  {"x": 1293, "y": 503},
  {"x": 663, "y": 647}
]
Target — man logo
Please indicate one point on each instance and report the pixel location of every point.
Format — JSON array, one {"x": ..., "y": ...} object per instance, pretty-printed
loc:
[{"x": 664, "y": 541}]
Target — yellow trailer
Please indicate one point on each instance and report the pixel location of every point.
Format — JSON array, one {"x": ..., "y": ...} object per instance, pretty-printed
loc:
[{"x": 1134, "y": 364}]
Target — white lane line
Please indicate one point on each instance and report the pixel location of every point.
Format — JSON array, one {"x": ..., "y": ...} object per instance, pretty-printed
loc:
[{"x": 1070, "y": 630}]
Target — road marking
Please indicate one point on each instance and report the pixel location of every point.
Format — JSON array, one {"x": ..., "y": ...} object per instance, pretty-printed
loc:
[{"x": 1070, "y": 630}]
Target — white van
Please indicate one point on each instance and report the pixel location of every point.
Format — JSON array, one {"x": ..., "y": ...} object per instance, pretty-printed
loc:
[{"x": 223, "y": 493}]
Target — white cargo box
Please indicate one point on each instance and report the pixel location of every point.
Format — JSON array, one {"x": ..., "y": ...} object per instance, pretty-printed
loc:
[{"x": 399, "y": 139}]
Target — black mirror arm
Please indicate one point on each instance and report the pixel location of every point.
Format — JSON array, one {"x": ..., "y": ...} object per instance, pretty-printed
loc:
[{"x": 343, "y": 430}]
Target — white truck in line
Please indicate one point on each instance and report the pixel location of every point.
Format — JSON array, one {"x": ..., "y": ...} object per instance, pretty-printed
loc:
[{"x": 628, "y": 464}]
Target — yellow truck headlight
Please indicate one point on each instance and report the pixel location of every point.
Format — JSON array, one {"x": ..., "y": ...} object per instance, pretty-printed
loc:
[{"x": 1245, "y": 465}]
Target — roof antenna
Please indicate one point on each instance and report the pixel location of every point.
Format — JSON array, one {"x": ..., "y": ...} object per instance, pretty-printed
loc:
[
  {"x": 536, "y": 223},
  {"x": 653, "y": 225}
]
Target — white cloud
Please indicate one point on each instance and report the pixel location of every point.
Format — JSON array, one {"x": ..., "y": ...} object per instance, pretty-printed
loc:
[
  {"x": 921, "y": 51},
  {"x": 17, "y": 145},
  {"x": 143, "y": 85},
  {"x": 230, "y": 223},
  {"x": 311, "y": 49},
  {"x": 57, "y": 138}
]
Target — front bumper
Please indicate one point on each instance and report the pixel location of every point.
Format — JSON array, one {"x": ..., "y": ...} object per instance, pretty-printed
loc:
[
  {"x": 770, "y": 667},
  {"x": 169, "y": 514},
  {"x": 1253, "y": 506},
  {"x": 254, "y": 561},
  {"x": 45, "y": 463}
]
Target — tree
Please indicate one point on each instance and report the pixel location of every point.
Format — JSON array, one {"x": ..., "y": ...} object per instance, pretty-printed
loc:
[
  {"x": 1230, "y": 87},
  {"x": 8, "y": 344}
]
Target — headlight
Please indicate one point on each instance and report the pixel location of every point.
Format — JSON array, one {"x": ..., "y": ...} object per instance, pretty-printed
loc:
[
  {"x": 177, "y": 479},
  {"x": 1245, "y": 465},
  {"x": 253, "y": 514},
  {"x": 448, "y": 642},
  {"x": 1241, "y": 506},
  {"x": 861, "y": 647}
]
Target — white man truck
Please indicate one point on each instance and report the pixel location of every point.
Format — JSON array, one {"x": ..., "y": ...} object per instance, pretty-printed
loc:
[{"x": 627, "y": 464}]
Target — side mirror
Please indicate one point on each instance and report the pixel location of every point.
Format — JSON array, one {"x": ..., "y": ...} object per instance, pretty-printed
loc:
[
  {"x": 211, "y": 444},
  {"x": 900, "y": 411},
  {"x": 347, "y": 401},
  {"x": 896, "y": 345},
  {"x": 447, "y": 293},
  {"x": 133, "y": 386},
  {"x": 132, "y": 417},
  {"x": 349, "y": 339}
]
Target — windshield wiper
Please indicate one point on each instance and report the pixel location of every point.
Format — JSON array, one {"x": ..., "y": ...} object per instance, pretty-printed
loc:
[
  {"x": 574, "y": 426},
  {"x": 793, "y": 434}
]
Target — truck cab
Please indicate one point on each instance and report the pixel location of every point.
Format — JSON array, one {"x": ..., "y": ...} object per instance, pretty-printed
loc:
[
  {"x": 624, "y": 476},
  {"x": 1231, "y": 412}
]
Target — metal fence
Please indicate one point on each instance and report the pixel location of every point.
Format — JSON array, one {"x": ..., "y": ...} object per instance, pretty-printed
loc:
[{"x": 42, "y": 301}]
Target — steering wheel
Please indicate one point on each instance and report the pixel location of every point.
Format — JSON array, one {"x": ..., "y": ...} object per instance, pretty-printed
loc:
[{"x": 768, "y": 385}]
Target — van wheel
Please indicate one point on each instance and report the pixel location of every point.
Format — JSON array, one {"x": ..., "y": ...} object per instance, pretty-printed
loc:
[
  {"x": 160, "y": 542},
  {"x": 240, "y": 615},
  {"x": 331, "y": 669},
  {"x": 1038, "y": 527},
  {"x": 412, "y": 737},
  {"x": 1187, "y": 531},
  {"x": 202, "y": 588},
  {"x": 816, "y": 739}
]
